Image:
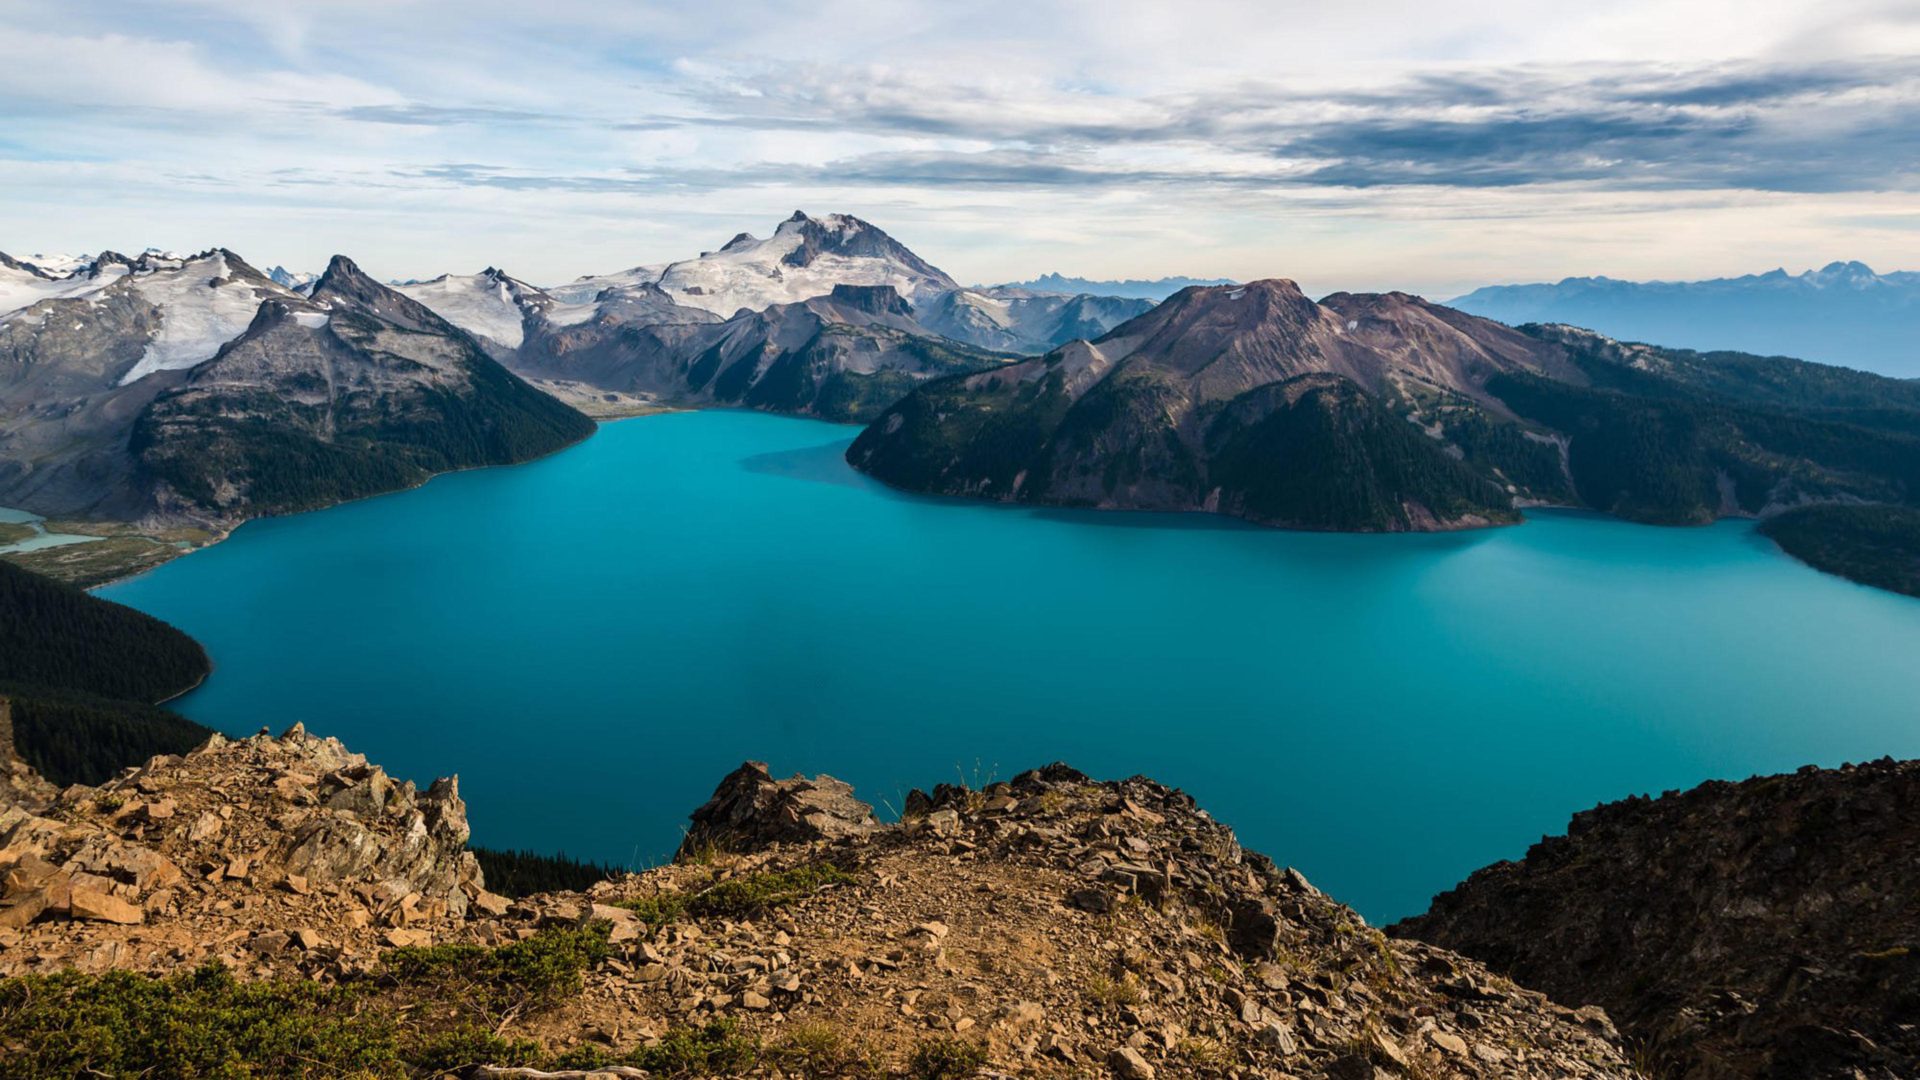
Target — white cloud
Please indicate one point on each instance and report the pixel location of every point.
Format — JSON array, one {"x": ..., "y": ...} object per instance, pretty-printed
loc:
[{"x": 1366, "y": 145}]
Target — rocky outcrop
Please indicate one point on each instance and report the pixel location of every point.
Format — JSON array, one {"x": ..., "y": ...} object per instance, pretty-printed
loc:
[
  {"x": 1050, "y": 926},
  {"x": 234, "y": 840},
  {"x": 1073, "y": 928},
  {"x": 750, "y": 810},
  {"x": 1758, "y": 929}
]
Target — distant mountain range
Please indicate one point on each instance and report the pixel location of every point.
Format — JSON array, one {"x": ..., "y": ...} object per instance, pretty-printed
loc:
[
  {"x": 1156, "y": 290},
  {"x": 1842, "y": 313},
  {"x": 196, "y": 389},
  {"x": 175, "y": 391},
  {"x": 807, "y": 257}
]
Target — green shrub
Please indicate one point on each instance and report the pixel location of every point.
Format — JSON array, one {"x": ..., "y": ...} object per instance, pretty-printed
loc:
[
  {"x": 750, "y": 893},
  {"x": 429, "y": 1012},
  {"x": 739, "y": 897},
  {"x": 945, "y": 1058}
]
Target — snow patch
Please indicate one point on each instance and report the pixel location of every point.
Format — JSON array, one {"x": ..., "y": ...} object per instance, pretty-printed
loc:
[
  {"x": 202, "y": 307},
  {"x": 481, "y": 304}
]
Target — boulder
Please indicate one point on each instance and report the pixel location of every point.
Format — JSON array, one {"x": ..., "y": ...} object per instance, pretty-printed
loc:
[
  {"x": 85, "y": 903},
  {"x": 750, "y": 810}
]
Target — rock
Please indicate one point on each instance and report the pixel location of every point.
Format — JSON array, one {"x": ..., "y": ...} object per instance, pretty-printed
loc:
[
  {"x": 206, "y": 827},
  {"x": 1728, "y": 928},
  {"x": 1451, "y": 1043},
  {"x": 23, "y": 907},
  {"x": 754, "y": 1000},
  {"x": 1127, "y": 1064},
  {"x": 491, "y": 904},
  {"x": 1097, "y": 900},
  {"x": 1277, "y": 1037},
  {"x": 750, "y": 810},
  {"x": 403, "y": 938},
  {"x": 85, "y": 903}
]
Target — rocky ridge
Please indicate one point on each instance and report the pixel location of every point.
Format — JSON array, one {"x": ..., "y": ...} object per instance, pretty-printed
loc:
[
  {"x": 1047, "y": 926},
  {"x": 1767, "y": 928}
]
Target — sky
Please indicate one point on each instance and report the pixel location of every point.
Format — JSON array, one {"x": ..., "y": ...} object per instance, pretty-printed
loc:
[{"x": 1366, "y": 145}]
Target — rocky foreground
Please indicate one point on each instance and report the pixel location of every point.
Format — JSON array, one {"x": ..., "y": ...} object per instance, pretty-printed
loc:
[
  {"x": 1766, "y": 928},
  {"x": 311, "y": 916}
]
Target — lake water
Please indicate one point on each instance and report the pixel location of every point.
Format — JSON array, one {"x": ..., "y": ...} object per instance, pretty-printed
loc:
[{"x": 592, "y": 640}]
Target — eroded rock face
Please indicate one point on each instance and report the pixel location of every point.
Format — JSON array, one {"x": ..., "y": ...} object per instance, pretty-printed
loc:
[
  {"x": 750, "y": 810},
  {"x": 1755, "y": 929},
  {"x": 232, "y": 823}
]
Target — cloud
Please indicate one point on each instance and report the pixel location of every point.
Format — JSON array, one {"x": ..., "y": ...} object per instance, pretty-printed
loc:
[
  {"x": 1200, "y": 128},
  {"x": 418, "y": 115}
]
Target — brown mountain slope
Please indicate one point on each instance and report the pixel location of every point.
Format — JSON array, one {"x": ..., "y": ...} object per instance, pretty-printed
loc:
[
  {"x": 1761, "y": 929},
  {"x": 1250, "y": 400}
]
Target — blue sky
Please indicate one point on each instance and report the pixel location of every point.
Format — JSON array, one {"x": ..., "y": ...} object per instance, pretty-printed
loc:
[{"x": 1368, "y": 145}]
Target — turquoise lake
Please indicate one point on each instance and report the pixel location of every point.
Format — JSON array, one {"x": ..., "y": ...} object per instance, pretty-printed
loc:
[{"x": 592, "y": 640}]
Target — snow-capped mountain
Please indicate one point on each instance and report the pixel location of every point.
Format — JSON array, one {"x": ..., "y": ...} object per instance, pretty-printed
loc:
[
  {"x": 287, "y": 279},
  {"x": 804, "y": 258},
  {"x": 842, "y": 356},
  {"x": 190, "y": 305},
  {"x": 808, "y": 257},
  {"x": 493, "y": 306},
  {"x": 1842, "y": 313},
  {"x": 1017, "y": 320},
  {"x": 587, "y": 289}
]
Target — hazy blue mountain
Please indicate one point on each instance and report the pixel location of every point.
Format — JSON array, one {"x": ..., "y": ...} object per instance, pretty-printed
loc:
[
  {"x": 1843, "y": 313},
  {"x": 1133, "y": 288}
]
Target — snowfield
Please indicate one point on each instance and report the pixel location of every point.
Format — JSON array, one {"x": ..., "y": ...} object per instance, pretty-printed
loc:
[
  {"x": 481, "y": 304},
  {"x": 202, "y": 307},
  {"x": 753, "y": 273}
]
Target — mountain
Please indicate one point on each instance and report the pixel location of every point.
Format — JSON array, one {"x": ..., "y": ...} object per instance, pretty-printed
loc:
[
  {"x": 181, "y": 309},
  {"x": 807, "y": 257},
  {"x": 1248, "y": 400},
  {"x": 1018, "y": 321},
  {"x": 492, "y": 306},
  {"x": 804, "y": 258},
  {"x": 1843, "y": 313},
  {"x": 1155, "y": 290},
  {"x": 1874, "y": 545},
  {"x": 1197, "y": 405},
  {"x": 1756, "y": 929},
  {"x": 842, "y": 356},
  {"x": 287, "y": 279},
  {"x": 1674, "y": 437},
  {"x": 301, "y": 913},
  {"x": 81, "y": 356},
  {"x": 353, "y": 390}
]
